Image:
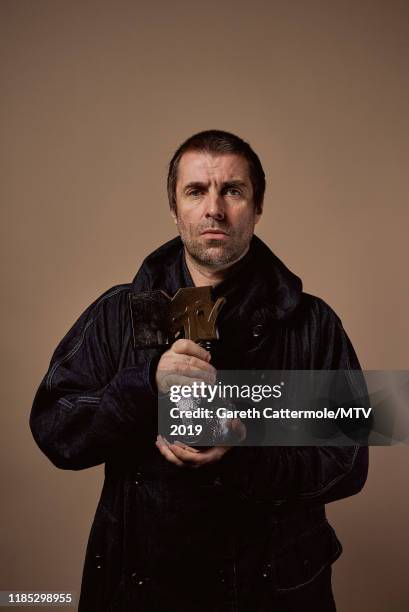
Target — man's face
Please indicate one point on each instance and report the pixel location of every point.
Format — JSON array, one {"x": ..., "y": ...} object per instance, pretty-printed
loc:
[{"x": 215, "y": 212}]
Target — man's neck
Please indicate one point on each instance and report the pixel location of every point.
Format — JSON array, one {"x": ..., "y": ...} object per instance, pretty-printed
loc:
[{"x": 203, "y": 276}]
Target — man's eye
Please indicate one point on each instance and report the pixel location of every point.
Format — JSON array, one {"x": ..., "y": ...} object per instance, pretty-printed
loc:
[
  {"x": 233, "y": 191},
  {"x": 195, "y": 193}
]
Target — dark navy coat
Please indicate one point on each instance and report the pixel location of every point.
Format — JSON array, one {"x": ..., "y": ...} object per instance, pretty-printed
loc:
[{"x": 246, "y": 534}]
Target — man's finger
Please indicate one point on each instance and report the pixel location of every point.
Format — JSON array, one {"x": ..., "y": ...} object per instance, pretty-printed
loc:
[
  {"x": 167, "y": 453},
  {"x": 186, "y": 447},
  {"x": 192, "y": 366},
  {"x": 187, "y": 457},
  {"x": 201, "y": 458},
  {"x": 173, "y": 379},
  {"x": 238, "y": 428},
  {"x": 185, "y": 346}
]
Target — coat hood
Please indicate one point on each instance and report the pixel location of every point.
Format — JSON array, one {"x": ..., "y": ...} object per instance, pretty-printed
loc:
[{"x": 258, "y": 282}]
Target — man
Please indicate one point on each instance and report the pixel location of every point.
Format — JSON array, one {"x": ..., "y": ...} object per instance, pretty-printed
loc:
[{"x": 222, "y": 529}]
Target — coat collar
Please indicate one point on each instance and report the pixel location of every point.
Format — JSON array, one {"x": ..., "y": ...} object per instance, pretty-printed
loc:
[{"x": 259, "y": 282}]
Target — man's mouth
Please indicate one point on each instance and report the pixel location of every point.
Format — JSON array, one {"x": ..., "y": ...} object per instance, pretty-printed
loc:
[{"x": 214, "y": 233}]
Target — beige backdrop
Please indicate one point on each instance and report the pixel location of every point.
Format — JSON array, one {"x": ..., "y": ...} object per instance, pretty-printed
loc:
[{"x": 96, "y": 95}]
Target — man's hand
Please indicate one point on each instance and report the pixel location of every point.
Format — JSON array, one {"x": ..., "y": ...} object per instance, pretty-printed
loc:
[
  {"x": 184, "y": 362},
  {"x": 188, "y": 457}
]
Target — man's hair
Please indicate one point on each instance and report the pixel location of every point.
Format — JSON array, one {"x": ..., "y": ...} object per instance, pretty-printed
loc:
[{"x": 217, "y": 142}]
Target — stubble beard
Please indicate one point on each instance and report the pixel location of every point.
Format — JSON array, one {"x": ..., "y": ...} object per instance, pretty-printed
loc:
[{"x": 211, "y": 252}]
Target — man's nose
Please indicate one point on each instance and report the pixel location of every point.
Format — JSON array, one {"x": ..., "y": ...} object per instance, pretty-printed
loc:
[{"x": 215, "y": 207}]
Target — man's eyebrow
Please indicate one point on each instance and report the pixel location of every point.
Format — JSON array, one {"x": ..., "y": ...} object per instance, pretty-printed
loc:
[
  {"x": 235, "y": 183},
  {"x": 201, "y": 185},
  {"x": 195, "y": 185}
]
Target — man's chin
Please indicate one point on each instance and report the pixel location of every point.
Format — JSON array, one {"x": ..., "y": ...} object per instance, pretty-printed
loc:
[
  {"x": 214, "y": 256},
  {"x": 213, "y": 243}
]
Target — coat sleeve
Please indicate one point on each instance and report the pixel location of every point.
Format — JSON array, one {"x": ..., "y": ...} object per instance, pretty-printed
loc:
[
  {"x": 87, "y": 405},
  {"x": 303, "y": 475}
]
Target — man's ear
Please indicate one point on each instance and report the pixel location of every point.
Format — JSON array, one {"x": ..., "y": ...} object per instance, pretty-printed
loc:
[
  {"x": 173, "y": 213},
  {"x": 258, "y": 213}
]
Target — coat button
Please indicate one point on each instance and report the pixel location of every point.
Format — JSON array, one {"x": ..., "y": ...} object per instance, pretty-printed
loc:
[
  {"x": 138, "y": 580},
  {"x": 222, "y": 575},
  {"x": 266, "y": 571},
  {"x": 257, "y": 331},
  {"x": 98, "y": 561},
  {"x": 138, "y": 479}
]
